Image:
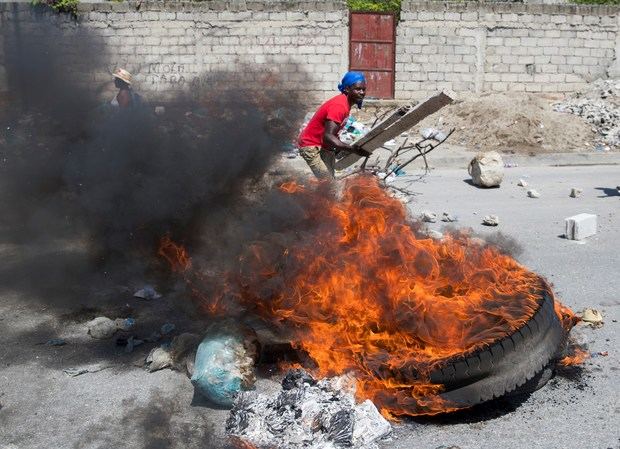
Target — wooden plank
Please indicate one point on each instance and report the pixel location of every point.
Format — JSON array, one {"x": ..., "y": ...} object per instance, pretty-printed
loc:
[{"x": 400, "y": 121}]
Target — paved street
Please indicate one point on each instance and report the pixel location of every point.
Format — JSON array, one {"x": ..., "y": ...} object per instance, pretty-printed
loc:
[
  {"x": 567, "y": 413},
  {"x": 123, "y": 405}
]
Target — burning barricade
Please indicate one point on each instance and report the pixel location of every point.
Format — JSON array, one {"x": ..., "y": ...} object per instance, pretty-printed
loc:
[{"x": 422, "y": 326}]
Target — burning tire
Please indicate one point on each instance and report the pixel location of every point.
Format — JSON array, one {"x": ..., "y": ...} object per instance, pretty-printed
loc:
[{"x": 510, "y": 364}]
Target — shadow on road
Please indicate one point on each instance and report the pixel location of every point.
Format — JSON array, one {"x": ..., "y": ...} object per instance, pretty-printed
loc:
[{"x": 607, "y": 192}]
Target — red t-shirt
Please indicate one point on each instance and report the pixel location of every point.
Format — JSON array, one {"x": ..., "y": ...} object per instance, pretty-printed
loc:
[{"x": 335, "y": 109}]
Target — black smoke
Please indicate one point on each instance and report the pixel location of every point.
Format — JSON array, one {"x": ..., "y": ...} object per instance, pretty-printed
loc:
[{"x": 88, "y": 190}]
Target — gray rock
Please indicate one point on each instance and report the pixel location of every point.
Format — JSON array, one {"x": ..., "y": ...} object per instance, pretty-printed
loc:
[
  {"x": 490, "y": 220},
  {"x": 533, "y": 193},
  {"x": 158, "y": 358},
  {"x": 448, "y": 218},
  {"x": 487, "y": 169},
  {"x": 428, "y": 217},
  {"x": 101, "y": 328},
  {"x": 575, "y": 192},
  {"x": 434, "y": 234}
]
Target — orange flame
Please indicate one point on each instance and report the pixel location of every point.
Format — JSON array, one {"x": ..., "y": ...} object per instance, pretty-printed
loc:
[
  {"x": 362, "y": 292},
  {"x": 579, "y": 356},
  {"x": 176, "y": 255}
]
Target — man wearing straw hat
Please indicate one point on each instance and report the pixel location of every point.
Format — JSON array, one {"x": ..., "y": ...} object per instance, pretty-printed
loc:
[{"x": 125, "y": 98}]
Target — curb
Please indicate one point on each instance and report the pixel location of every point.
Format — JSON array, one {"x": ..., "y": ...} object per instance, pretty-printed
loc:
[{"x": 544, "y": 160}]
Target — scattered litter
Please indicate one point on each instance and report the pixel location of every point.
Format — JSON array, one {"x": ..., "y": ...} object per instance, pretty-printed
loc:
[
  {"x": 428, "y": 217},
  {"x": 575, "y": 192},
  {"x": 125, "y": 324},
  {"x": 397, "y": 171},
  {"x": 522, "y": 183},
  {"x": 533, "y": 193},
  {"x": 147, "y": 292},
  {"x": 487, "y": 169},
  {"x": 435, "y": 134},
  {"x": 74, "y": 372},
  {"x": 129, "y": 343},
  {"x": 510, "y": 165},
  {"x": 55, "y": 342},
  {"x": 390, "y": 178},
  {"x": 160, "y": 110},
  {"x": 158, "y": 358},
  {"x": 600, "y": 354},
  {"x": 307, "y": 413},
  {"x": 353, "y": 130},
  {"x": 490, "y": 220},
  {"x": 224, "y": 363},
  {"x": 167, "y": 328},
  {"x": 390, "y": 143},
  {"x": 448, "y": 218},
  {"x": 101, "y": 328},
  {"x": 592, "y": 317}
]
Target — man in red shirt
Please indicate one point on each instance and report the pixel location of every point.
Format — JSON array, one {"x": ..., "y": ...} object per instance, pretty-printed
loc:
[{"x": 319, "y": 142}]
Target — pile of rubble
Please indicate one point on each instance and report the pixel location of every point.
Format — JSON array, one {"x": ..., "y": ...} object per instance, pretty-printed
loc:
[
  {"x": 307, "y": 413},
  {"x": 599, "y": 105}
]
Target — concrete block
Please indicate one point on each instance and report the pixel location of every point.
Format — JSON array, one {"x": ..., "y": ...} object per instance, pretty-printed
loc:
[{"x": 579, "y": 227}]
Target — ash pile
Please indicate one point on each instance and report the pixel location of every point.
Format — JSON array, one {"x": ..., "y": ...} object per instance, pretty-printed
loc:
[
  {"x": 599, "y": 105},
  {"x": 307, "y": 413}
]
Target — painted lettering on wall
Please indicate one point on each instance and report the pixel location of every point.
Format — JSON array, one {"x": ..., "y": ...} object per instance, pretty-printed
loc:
[{"x": 171, "y": 73}]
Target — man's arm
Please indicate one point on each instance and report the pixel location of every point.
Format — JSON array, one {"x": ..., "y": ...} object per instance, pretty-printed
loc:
[
  {"x": 124, "y": 99},
  {"x": 330, "y": 137}
]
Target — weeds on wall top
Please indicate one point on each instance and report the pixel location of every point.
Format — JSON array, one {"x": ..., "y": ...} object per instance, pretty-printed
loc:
[
  {"x": 375, "y": 5},
  {"x": 59, "y": 6}
]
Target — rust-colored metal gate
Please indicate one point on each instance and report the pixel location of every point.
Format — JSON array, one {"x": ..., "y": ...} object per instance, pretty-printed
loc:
[{"x": 372, "y": 41}]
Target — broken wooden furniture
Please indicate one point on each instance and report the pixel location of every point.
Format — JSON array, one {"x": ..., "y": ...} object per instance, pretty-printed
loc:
[{"x": 401, "y": 120}]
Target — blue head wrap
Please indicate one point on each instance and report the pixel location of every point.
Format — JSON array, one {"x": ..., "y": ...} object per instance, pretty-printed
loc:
[{"x": 349, "y": 79}]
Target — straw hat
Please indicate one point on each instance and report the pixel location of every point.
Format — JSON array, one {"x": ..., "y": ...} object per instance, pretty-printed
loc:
[{"x": 122, "y": 75}]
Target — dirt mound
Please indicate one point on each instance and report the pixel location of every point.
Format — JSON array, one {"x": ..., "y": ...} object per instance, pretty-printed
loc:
[{"x": 511, "y": 122}]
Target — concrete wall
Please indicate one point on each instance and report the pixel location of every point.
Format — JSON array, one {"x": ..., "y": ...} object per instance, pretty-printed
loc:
[
  {"x": 173, "y": 46},
  {"x": 503, "y": 46}
]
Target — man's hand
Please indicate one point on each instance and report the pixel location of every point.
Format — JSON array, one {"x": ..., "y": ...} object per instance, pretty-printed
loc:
[{"x": 360, "y": 151}]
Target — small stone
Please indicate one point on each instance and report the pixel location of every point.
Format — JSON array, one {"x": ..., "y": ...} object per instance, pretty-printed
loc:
[
  {"x": 490, "y": 220},
  {"x": 592, "y": 316},
  {"x": 101, "y": 328},
  {"x": 448, "y": 218},
  {"x": 147, "y": 292},
  {"x": 158, "y": 358},
  {"x": 428, "y": 217},
  {"x": 56, "y": 342},
  {"x": 434, "y": 234},
  {"x": 533, "y": 193},
  {"x": 522, "y": 183},
  {"x": 575, "y": 192}
]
